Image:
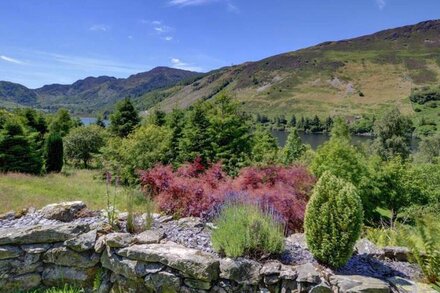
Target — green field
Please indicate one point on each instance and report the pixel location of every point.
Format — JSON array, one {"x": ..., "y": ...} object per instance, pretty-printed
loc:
[{"x": 19, "y": 191}]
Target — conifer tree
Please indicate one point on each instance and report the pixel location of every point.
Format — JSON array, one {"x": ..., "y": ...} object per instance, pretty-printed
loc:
[
  {"x": 54, "y": 153},
  {"x": 124, "y": 119},
  {"x": 293, "y": 149}
]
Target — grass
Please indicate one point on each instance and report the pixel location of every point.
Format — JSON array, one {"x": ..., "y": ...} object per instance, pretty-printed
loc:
[
  {"x": 65, "y": 289},
  {"x": 19, "y": 191}
]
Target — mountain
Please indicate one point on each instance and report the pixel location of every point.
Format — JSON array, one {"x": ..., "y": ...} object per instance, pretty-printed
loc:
[
  {"x": 92, "y": 93},
  {"x": 349, "y": 77}
]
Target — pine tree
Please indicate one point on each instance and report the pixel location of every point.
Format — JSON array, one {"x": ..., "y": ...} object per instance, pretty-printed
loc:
[
  {"x": 54, "y": 153},
  {"x": 100, "y": 121},
  {"x": 293, "y": 121},
  {"x": 293, "y": 149},
  {"x": 17, "y": 154},
  {"x": 124, "y": 119},
  {"x": 265, "y": 147}
]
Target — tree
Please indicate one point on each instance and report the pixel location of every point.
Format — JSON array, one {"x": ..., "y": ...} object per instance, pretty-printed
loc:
[
  {"x": 293, "y": 121},
  {"x": 54, "y": 154},
  {"x": 175, "y": 121},
  {"x": 100, "y": 121},
  {"x": 62, "y": 122},
  {"x": 157, "y": 118},
  {"x": 393, "y": 135},
  {"x": 429, "y": 149},
  {"x": 82, "y": 143},
  {"x": 17, "y": 154},
  {"x": 293, "y": 149},
  {"x": 333, "y": 220},
  {"x": 124, "y": 119},
  {"x": 265, "y": 147}
]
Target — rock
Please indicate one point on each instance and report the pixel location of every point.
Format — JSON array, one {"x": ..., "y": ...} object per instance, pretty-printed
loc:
[
  {"x": 365, "y": 246},
  {"x": 9, "y": 251},
  {"x": 298, "y": 239},
  {"x": 149, "y": 237},
  {"x": 130, "y": 269},
  {"x": 64, "y": 212},
  {"x": 190, "y": 222},
  {"x": 241, "y": 270},
  {"x": 106, "y": 284},
  {"x": 29, "y": 263},
  {"x": 163, "y": 282},
  {"x": 8, "y": 216},
  {"x": 35, "y": 248},
  {"x": 307, "y": 274},
  {"x": 54, "y": 276},
  {"x": 83, "y": 242},
  {"x": 154, "y": 267},
  {"x": 66, "y": 257},
  {"x": 407, "y": 286},
  {"x": 100, "y": 244},
  {"x": 20, "y": 283},
  {"x": 164, "y": 219},
  {"x": 358, "y": 284},
  {"x": 122, "y": 285},
  {"x": 118, "y": 239},
  {"x": 197, "y": 284},
  {"x": 271, "y": 272},
  {"x": 397, "y": 253},
  {"x": 321, "y": 288},
  {"x": 41, "y": 234},
  {"x": 193, "y": 263}
]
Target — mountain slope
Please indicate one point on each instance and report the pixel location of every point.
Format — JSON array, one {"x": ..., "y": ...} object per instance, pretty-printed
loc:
[
  {"x": 14, "y": 95},
  {"x": 349, "y": 77}
]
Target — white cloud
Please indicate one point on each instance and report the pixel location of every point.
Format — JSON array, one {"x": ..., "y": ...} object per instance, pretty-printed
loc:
[
  {"x": 381, "y": 4},
  {"x": 190, "y": 2},
  {"x": 99, "y": 28},
  {"x": 179, "y": 64},
  {"x": 168, "y": 38},
  {"x": 11, "y": 60},
  {"x": 232, "y": 8}
]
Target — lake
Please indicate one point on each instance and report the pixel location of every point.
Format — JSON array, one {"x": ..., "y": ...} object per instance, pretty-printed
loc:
[{"x": 92, "y": 120}]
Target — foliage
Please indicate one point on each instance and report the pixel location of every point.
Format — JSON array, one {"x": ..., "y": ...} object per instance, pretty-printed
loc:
[
  {"x": 65, "y": 289},
  {"x": 194, "y": 190},
  {"x": 244, "y": 230},
  {"x": 429, "y": 149},
  {"x": 333, "y": 220},
  {"x": 54, "y": 155},
  {"x": 265, "y": 147},
  {"x": 125, "y": 118},
  {"x": 62, "y": 122},
  {"x": 83, "y": 143},
  {"x": 17, "y": 153},
  {"x": 425, "y": 94},
  {"x": 393, "y": 135},
  {"x": 294, "y": 149},
  {"x": 100, "y": 121}
]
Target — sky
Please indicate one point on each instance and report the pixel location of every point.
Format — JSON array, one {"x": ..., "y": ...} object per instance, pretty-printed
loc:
[{"x": 61, "y": 41}]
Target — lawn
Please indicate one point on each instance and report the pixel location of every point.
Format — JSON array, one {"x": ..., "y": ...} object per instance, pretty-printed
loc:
[{"x": 18, "y": 191}]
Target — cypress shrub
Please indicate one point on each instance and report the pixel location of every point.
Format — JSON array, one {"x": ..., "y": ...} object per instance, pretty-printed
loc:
[
  {"x": 333, "y": 220},
  {"x": 54, "y": 153}
]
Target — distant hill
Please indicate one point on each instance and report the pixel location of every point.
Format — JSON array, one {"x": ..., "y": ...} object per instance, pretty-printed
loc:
[
  {"x": 92, "y": 93},
  {"x": 363, "y": 75}
]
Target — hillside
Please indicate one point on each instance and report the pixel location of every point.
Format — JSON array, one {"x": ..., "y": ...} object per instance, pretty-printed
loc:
[
  {"x": 349, "y": 77},
  {"x": 92, "y": 93}
]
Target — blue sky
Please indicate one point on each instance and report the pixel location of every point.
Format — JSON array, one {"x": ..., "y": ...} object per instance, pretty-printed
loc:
[{"x": 60, "y": 41}]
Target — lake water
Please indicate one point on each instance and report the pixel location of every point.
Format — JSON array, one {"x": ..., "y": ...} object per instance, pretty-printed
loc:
[
  {"x": 91, "y": 120},
  {"x": 317, "y": 139}
]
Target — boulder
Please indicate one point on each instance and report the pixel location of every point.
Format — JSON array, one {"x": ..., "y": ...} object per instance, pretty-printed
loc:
[
  {"x": 35, "y": 248},
  {"x": 241, "y": 270},
  {"x": 64, "y": 211},
  {"x": 54, "y": 276},
  {"x": 83, "y": 242},
  {"x": 20, "y": 283},
  {"x": 358, "y": 284},
  {"x": 297, "y": 239},
  {"x": 307, "y": 274},
  {"x": 100, "y": 244},
  {"x": 366, "y": 247},
  {"x": 29, "y": 263},
  {"x": 190, "y": 222},
  {"x": 9, "y": 251},
  {"x": 63, "y": 256},
  {"x": 271, "y": 272},
  {"x": 402, "y": 285},
  {"x": 149, "y": 237},
  {"x": 397, "y": 253},
  {"x": 197, "y": 284},
  {"x": 321, "y": 288},
  {"x": 41, "y": 234},
  {"x": 128, "y": 268},
  {"x": 191, "y": 262},
  {"x": 163, "y": 282},
  {"x": 118, "y": 240}
]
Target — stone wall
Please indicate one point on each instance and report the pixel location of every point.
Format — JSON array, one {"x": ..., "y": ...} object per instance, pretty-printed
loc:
[{"x": 74, "y": 253}]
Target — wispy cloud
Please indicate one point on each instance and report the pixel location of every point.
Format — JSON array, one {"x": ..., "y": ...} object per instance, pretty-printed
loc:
[
  {"x": 164, "y": 31},
  {"x": 381, "y": 4},
  {"x": 11, "y": 60},
  {"x": 190, "y": 2},
  {"x": 179, "y": 64},
  {"x": 168, "y": 38},
  {"x": 99, "y": 28}
]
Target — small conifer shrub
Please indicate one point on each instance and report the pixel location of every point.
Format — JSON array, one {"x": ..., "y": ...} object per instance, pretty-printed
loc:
[
  {"x": 333, "y": 220},
  {"x": 54, "y": 153}
]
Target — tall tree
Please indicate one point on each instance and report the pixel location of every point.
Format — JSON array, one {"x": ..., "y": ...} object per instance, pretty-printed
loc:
[
  {"x": 293, "y": 149},
  {"x": 62, "y": 122},
  {"x": 393, "y": 135},
  {"x": 17, "y": 154},
  {"x": 100, "y": 121},
  {"x": 82, "y": 143},
  {"x": 124, "y": 119},
  {"x": 54, "y": 153},
  {"x": 265, "y": 147}
]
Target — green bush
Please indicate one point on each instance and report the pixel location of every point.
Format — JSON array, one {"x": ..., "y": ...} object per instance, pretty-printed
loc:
[
  {"x": 333, "y": 220},
  {"x": 54, "y": 153},
  {"x": 244, "y": 230}
]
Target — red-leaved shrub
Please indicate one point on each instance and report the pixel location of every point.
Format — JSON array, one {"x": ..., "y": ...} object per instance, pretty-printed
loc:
[{"x": 193, "y": 190}]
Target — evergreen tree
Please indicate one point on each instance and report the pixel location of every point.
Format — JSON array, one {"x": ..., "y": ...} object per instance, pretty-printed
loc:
[
  {"x": 328, "y": 124},
  {"x": 54, "y": 153},
  {"x": 17, "y": 154},
  {"x": 175, "y": 122},
  {"x": 293, "y": 149},
  {"x": 265, "y": 147},
  {"x": 157, "y": 118},
  {"x": 293, "y": 121},
  {"x": 100, "y": 121},
  {"x": 124, "y": 119},
  {"x": 62, "y": 122}
]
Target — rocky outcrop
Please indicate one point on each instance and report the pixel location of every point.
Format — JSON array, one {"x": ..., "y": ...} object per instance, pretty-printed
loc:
[{"x": 68, "y": 253}]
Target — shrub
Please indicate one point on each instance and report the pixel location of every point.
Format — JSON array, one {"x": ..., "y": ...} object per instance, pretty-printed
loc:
[
  {"x": 244, "y": 230},
  {"x": 333, "y": 220},
  {"x": 54, "y": 153}
]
